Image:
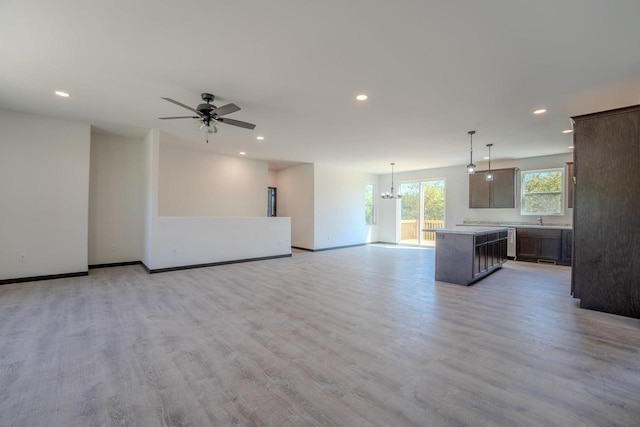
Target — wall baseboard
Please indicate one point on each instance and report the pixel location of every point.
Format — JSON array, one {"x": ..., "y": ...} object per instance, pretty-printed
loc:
[
  {"x": 212, "y": 264},
  {"x": 332, "y": 248},
  {"x": 340, "y": 247},
  {"x": 164, "y": 270},
  {"x": 114, "y": 264},
  {"x": 47, "y": 277}
]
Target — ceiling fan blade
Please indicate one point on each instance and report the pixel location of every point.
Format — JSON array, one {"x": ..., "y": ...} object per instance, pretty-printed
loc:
[
  {"x": 180, "y": 117},
  {"x": 236, "y": 123},
  {"x": 181, "y": 104},
  {"x": 226, "y": 109}
]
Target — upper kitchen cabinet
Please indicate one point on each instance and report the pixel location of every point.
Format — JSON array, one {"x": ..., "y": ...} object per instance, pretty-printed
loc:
[
  {"x": 499, "y": 193},
  {"x": 606, "y": 223}
]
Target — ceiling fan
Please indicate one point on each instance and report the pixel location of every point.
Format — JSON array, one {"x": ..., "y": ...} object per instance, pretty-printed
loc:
[{"x": 209, "y": 116}]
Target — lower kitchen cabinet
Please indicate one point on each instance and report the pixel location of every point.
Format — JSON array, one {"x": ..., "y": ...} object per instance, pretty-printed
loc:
[
  {"x": 490, "y": 251},
  {"x": 567, "y": 247},
  {"x": 528, "y": 245},
  {"x": 544, "y": 245}
]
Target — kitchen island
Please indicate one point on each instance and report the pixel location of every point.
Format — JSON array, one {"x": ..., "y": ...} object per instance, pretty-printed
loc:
[{"x": 465, "y": 255}]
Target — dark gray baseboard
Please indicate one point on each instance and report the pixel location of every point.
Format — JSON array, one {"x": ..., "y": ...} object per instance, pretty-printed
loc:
[
  {"x": 122, "y": 264},
  {"x": 47, "y": 277},
  {"x": 333, "y": 247},
  {"x": 212, "y": 264},
  {"x": 115, "y": 264}
]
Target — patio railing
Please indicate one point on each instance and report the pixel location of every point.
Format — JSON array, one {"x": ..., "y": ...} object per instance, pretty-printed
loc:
[{"x": 410, "y": 229}]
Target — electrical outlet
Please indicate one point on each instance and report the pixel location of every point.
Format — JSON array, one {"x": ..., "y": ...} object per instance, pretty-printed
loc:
[{"x": 22, "y": 257}]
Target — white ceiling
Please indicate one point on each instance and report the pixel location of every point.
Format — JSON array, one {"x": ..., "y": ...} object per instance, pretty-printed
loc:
[{"x": 433, "y": 69}]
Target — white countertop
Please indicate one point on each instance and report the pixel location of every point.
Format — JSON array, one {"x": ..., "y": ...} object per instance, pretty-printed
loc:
[{"x": 515, "y": 225}]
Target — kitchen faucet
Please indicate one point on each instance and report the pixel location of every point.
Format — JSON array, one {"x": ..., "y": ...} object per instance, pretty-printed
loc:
[{"x": 539, "y": 220}]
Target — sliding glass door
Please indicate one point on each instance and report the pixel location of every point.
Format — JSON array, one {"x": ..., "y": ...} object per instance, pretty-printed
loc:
[
  {"x": 432, "y": 209},
  {"x": 422, "y": 206},
  {"x": 410, "y": 213}
]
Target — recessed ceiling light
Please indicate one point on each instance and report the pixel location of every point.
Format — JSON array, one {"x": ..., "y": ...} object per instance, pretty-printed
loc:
[
  {"x": 242, "y": 153},
  {"x": 567, "y": 131},
  {"x": 571, "y": 146},
  {"x": 62, "y": 94},
  {"x": 540, "y": 111},
  {"x": 485, "y": 158},
  {"x": 362, "y": 97},
  {"x": 260, "y": 138}
]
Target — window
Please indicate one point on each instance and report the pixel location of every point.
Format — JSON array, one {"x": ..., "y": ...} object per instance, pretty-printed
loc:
[
  {"x": 541, "y": 192},
  {"x": 369, "y": 208}
]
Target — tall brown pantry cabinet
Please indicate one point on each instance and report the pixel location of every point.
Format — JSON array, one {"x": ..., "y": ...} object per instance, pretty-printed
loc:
[{"x": 606, "y": 211}]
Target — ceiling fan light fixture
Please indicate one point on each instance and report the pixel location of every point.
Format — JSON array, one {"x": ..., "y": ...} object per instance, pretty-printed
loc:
[{"x": 209, "y": 116}]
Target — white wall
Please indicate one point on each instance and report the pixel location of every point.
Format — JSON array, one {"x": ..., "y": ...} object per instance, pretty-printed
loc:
[
  {"x": 195, "y": 182},
  {"x": 273, "y": 178},
  {"x": 296, "y": 200},
  {"x": 457, "y": 195},
  {"x": 116, "y": 199},
  {"x": 151, "y": 144},
  {"x": 193, "y": 241},
  {"x": 44, "y": 191},
  {"x": 339, "y": 207},
  {"x": 190, "y": 240}
]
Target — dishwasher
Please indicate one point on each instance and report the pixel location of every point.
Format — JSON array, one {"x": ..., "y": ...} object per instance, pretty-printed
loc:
[{"x": 511, "y": 243}]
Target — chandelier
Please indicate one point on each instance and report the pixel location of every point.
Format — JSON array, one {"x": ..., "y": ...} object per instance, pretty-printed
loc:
[{"x": 390, "y": 194}]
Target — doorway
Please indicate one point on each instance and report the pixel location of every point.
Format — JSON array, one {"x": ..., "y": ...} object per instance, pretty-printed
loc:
[
  {"x": 422, "y": 206},
  {"x": 272, "y": 193}
]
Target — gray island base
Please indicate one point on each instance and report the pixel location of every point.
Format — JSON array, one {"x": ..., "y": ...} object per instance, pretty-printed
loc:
[{"x": 467, "y": 254}]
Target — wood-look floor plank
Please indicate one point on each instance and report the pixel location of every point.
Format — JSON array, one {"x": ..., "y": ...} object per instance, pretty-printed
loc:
[{"x": 354, "y": 337}]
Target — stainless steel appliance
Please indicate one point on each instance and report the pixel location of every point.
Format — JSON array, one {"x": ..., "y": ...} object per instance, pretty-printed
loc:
[{"x": 511, "y": 243}]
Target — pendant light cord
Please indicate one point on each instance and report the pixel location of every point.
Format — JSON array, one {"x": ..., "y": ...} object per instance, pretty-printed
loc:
[{"x": 392, "y": 178}]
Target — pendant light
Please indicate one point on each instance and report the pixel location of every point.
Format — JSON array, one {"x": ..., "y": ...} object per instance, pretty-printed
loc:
[
  {"x": 390, "y": 194},
  {"x": 471, "y": 168},
  {"x": 489, "y": 173}
]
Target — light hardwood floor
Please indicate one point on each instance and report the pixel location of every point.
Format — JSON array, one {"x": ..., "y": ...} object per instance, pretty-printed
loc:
[{"x": 352, "y": 337}]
